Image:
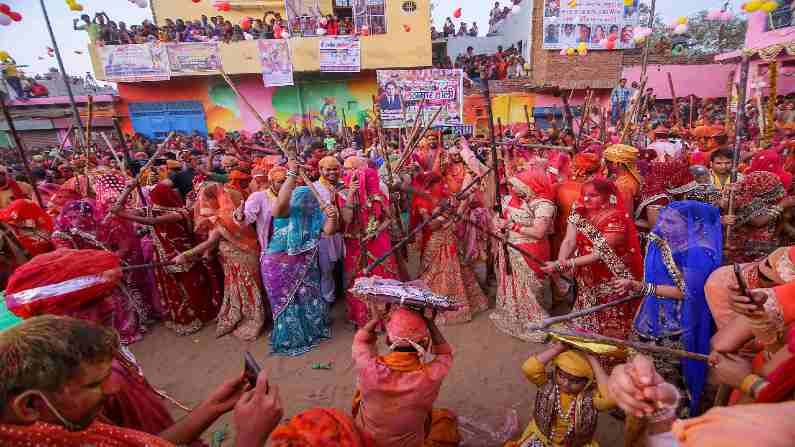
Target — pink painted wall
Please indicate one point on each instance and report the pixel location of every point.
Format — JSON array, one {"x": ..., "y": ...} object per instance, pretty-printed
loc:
[
  {"x": 705, "y": 81},
  {"x": 758, "y": 36}
]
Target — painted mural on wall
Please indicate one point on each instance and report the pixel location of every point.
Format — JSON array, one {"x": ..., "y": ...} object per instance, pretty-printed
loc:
[
  {"x": 322, "y": 103},
  {"x": 507, "y": 108}
]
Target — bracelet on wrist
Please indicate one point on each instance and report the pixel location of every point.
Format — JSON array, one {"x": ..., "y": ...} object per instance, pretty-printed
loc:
[
  {"x": 748, "y": 382},
  {"x": 757, "y": 387}
]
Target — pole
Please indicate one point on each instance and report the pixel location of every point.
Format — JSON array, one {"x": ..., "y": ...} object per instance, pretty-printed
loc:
[
  {"x": 675, "y": 99},
  {"x": 490, "y": 112},
  {"x": 629, "y": 344},
  {"x": 90, "y": 123},
  {"x": 645, "y": 60},
  {"x": 75, "y": 112},
  {"x": 21, "y": 150},
  {"x": 739, "y": 125}
]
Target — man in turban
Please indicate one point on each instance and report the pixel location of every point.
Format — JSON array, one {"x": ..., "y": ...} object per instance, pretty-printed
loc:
[
  {"x": 259, "y": 205},
  {"x": 621, "y": 161},
  {"x": 319, "y": 427},
  {"x": 11, "y": 189},
  {"x": 331, "y": 247},
  {"x": 565, "y": 396},
  {"x": 396, "y": 392}
]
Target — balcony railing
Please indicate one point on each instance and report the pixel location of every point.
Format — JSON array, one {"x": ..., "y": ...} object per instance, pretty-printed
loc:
[{"x": 781, "y": 17}]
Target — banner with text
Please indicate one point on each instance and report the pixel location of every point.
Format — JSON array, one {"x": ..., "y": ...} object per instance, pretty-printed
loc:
[
  {"x": 133, "y": 63},
  {"x": 589, "y": 21},
  {"x": 277, "y": 68},
  {"x": 193, "y": 58},
  {"x": 400, "y": 93},
  {"x": 340, "y": 54}
]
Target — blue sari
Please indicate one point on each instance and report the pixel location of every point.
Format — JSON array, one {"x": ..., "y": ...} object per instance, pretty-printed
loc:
[
  {"x": 685, "y": 247},
  {"x": 291, "y": 276}
]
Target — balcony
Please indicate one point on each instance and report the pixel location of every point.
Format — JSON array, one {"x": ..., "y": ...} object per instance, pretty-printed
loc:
[{"x": 781, "y": 17}]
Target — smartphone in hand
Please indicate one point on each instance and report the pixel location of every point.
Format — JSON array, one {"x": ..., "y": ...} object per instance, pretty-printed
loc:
[{"x": 251, "y": 369}]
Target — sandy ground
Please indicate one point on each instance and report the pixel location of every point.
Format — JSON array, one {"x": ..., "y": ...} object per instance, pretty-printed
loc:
[{"x": 485, "y": 383}]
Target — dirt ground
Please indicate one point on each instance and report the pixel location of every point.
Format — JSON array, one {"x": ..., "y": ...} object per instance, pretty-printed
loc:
[{"x": 485, "y": 383}]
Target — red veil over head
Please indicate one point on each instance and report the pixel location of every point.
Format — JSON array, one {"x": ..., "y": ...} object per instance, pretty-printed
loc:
[{"x": 60, "y": 281}]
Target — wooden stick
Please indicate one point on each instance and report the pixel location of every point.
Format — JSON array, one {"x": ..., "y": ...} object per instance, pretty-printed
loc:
[
  {"x": 442, "y": 209},
  {"x": 739, "y": 125},
  {"x": 547, "y": 322},
  {"x": 417, "y": 124},
  {"x": 89, "y": 123},
  {"x": 147, "y": 266},
  {"x": 730, "y": 90},
  {"x": 315, "y": 192},
  {"x": 113, "y": 151},
  {"x": 692, "y": 107},
  {"x": 416, "y": 142},
  {"x": 586, "y": 113},
  {"x": 21, "y": 150},
  {"x": 674, "y": 98},
  {"x": 629, "y": 344}
]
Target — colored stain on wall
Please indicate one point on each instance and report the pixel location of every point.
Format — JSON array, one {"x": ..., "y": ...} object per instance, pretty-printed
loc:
[
  {"x": 508, "y": 108},
  {"x": 323, "y": 100}
]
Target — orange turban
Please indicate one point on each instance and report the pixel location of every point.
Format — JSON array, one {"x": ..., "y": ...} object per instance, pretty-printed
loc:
[
  {"x": 406, "y": 325},
  {"x": 355, "y": 162},
  {"x": 329, "y": 162},
  {"x": 318, "y": 427},
  {"x": 585, "y": 163},
  {"x": 238, "y": 175},
  {"x": 277, "y": 174}
]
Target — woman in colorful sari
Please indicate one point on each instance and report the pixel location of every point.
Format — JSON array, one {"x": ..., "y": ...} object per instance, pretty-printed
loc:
[
  {"x": 242, "y": 310},
  {"x": 79, "y": 227},
  {"x": 442, "y": 268},
  {"x": 291, "y": 271},
  {"x": 601, "y": 244},
  {"x": 528, "y": 216},
  {"x": 366, "y": 219},
  {"x": 757, "y": 211},
  {"x": 183, "y": 288},
  {"x": 685, "y": 247}
]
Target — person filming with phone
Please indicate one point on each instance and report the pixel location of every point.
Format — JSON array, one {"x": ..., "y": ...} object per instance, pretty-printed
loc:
[{"x": 58, "y": 375}]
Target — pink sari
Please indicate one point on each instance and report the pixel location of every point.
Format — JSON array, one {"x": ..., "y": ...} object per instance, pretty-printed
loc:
[{"x": 368, "y": 223}]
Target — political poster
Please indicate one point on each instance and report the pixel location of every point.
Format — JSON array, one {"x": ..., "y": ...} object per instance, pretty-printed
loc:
[
  {"x": 401, "y": 92},
  {"x": 340, "y": 55},
  {"x": 567, "y": 23},
  {"x": 277, "y": 68},
  {"x": 134, "y": 63},
  {"x": 187, "y": 59}
]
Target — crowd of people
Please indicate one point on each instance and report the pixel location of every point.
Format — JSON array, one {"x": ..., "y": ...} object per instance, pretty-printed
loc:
[
  {"x": 102, "y": 30},
  {"x": 503, "y": 64},
  {"x": 685, "y": 244}
]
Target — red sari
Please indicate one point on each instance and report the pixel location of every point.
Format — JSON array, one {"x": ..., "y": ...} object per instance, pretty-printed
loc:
[
  {"x": 368, "y": 222},
  {"x": 622, "y": 261},
  {"x": 184, "y": 289}
]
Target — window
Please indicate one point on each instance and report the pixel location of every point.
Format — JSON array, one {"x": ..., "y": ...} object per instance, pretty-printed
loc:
[
  {"x": 781, "y": 17},
  {"x": 370, "y": 13},
  {"x": 409, "y": 6}
]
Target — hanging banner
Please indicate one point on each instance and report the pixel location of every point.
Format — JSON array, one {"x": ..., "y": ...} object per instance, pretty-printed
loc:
[
  {"x": 303, "y": 17},
  {"x": 402, "y": 91},
  {"x": 134, "y": 63},
  {"x": 340, "y": 54},
  {"x": 277, "y": 68},
  {"x": 193, "y": 58},
  {"x": 589, "y": 21}
]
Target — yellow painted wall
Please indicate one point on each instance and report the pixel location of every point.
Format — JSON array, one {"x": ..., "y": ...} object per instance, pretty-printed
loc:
[{"x": 398, "y": 48}]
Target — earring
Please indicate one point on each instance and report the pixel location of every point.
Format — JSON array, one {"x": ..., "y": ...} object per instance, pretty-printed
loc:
[{"x": 613, "y": 199}]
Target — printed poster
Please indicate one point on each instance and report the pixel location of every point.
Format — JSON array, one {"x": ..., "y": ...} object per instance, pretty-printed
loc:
[
  {"x": 400, "y": 93},
  {"x": 134, "y": 63},
  {"x": 277, "y": 68},
  {"x": 193, "y": 58},
  {"x": 589, "y": 21},
  {"x": 340, "y": 55}
]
